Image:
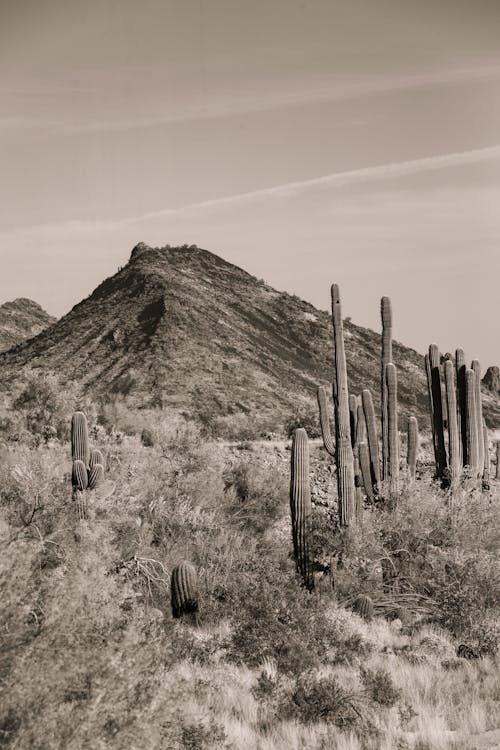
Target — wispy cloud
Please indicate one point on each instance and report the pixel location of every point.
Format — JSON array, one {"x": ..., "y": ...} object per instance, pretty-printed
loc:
[
  {"x": 287, "y": 190},
  {"x": 337, "y": 89}
]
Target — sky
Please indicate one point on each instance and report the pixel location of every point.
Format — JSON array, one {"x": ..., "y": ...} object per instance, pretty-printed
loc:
[{"x": 307, "y": 141}]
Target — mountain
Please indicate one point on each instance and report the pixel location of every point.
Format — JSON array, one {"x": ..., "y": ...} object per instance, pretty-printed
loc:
[
  {"x": 181, "y": 328},
  {"x": 20, "y": 320}
]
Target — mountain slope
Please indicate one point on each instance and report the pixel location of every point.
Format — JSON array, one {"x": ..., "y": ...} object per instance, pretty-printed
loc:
[
  {"x": 183, "y": 328},
  {"x": 21, "y": 319}
]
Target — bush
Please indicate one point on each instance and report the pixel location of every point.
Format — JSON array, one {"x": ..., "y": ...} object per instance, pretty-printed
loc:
[
  {"x": 380, "y": 687},
  {"x": 306, "y": 417},
  {"x": 323, "y": 699}
]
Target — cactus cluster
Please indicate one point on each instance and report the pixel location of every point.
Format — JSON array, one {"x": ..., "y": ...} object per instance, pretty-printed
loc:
[
  {"x": 461, "y": 440},
  {"x": 356, "y": 445},
  {"x": 88, "y": 464}
]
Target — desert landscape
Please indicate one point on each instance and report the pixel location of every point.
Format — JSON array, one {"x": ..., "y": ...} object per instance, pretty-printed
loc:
[{"x": 197, "y": 554}]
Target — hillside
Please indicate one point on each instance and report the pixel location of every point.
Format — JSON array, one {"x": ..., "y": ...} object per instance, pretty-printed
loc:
[
  {"x": 181, "y": 328},
  {"x": 21, "y": 319}
]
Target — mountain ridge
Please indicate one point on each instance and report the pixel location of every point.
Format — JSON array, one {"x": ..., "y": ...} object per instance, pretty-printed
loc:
[
  {"x": 20, "y": 319},
  {"x": 182, "y": 328}
]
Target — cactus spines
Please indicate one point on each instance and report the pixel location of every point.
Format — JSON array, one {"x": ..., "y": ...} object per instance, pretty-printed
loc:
[
  {"x": 371, "y": 434},
  {"x": 95, "y": 458},
  {"x": 386, "y": 316},
  {"x": 184, "y": 590},
  {"x": 471, "y": 424},
  {"x": 344, "y": 454},
  {"x": 392, "y": 423},
  {"x": 324, "y": 421},
  {"x": 460, "y": 367},
  {"x": 437, "y": 405},
  {"x": 96, "y": 474},
  {"x": 366, "y": 472},
  {"x": 363, "y": 606},
  {"x": 412, "y": 449},
  {"x": 476, "y": 367},
  {"x": 80, "y": 438},
  {"x": 79, "y": 478},
  {"x": 453, "y": 433},
  {"x": 300, "y": 507}
]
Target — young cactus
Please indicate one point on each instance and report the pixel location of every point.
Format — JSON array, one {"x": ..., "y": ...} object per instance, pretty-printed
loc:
[
  {"x": 184, "y": 590},
  {"x": 300, "y": 507},
  {"x": 88, "y": 465}
]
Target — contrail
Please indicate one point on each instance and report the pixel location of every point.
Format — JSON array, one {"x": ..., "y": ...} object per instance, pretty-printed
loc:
[
  {"x": 337, "y": 179},
  {"x": 289, "y": 189}
]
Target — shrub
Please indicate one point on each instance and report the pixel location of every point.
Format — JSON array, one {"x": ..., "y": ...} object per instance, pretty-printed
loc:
[
  {"x": 380, "y": 686},
  {"x": 323, "y": 699}
]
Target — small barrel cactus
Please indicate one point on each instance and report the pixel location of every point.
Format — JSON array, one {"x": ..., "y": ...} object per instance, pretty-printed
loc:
[
  {"x": 184, "y": 590},
  {"x": 363, "y": 606}
]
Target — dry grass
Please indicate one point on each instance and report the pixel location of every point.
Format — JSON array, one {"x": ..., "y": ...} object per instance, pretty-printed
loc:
[{"x": 91, "y": 657}]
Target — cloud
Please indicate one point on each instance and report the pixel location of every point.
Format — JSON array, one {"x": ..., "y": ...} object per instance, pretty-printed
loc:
[{"x": 338, "y": 90}]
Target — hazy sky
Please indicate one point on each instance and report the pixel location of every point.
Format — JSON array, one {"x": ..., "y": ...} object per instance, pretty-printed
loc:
[{"x": 353, "y": 141}]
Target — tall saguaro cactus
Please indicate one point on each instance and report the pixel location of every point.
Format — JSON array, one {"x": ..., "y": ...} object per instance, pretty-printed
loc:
[
  {"x": 344, "y": 454},
  {"x": 453, "y": 433},
  {"x": 386, "y": 316},
  {"x": 80, "y": 449},
  {"x": 392, "y": 424},
  {"x": 497, "y": 469},
  {"x": 476, "y": 367},
  {"x": 437, "y": 406},
  {"x": 412, "y": 447},
  {"x": 460, "y": 367},
  {"x": 471, "y": 424},
  {"x": 300, "y": 507},
  {"x": 372, "y": 438}
]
